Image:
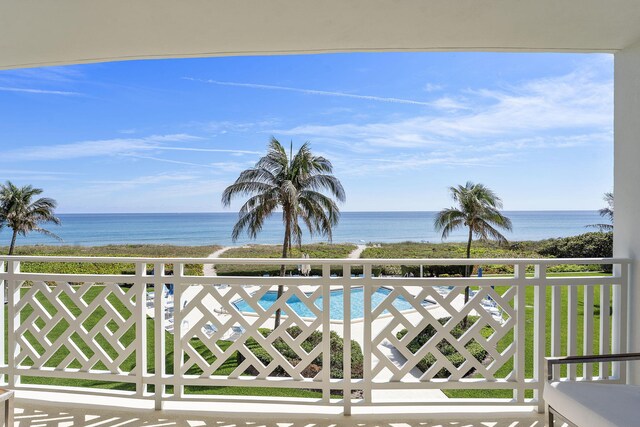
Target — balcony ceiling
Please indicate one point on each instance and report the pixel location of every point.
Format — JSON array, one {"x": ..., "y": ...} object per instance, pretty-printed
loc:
[{"x": 35, "y": 32}]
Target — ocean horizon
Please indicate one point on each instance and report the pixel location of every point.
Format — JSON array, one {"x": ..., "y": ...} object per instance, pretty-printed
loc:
[{"x": 195, "y": 229}]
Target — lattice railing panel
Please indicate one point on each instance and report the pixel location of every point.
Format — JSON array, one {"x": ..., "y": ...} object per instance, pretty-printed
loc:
[
  {"x": 76, "y": 327},
  {"x": 87, "y": 330},
  {"x": 214, "y": 331},
  {"x": 423, "y": 343}
]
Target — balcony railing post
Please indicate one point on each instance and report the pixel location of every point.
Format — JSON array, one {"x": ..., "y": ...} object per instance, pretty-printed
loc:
[
  {"x": 141, "y": 327},
  {"x": 539, "y": 333},
  {"x": 587, "y": 341},
  {"x": 160, "y": 349},
  {"x": 572, "y": 328},
  {"x": 556, "y": 320},
  {"x": 346, "y": 389},
  {"x": 3, "y": 297},
  {"x": 326, "y": 333},
  {"x": 13, "y": 320},
  {"x": 519, "y": 338},
  {"x": 605, "y": 328},
  {"x": 620, "y": 318},
  {"x": 178, "y": 273},
  {"x": 367, "y": 351}
]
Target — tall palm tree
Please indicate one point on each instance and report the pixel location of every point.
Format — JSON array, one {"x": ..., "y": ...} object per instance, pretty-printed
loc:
[
  {"x": 22, "y": 214},
  {"x": 478, "y": 209},
  {"x": 294, "y": 183},
  {"x": 606, "y": 212}
]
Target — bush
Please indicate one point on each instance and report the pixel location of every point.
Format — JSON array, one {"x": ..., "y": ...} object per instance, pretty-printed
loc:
[
  {"x": 589, "y": 245},
  {"x": 313, "y": 340},
  {"x": 434, "y": 270},
  {"x": 444, "y": 347}
]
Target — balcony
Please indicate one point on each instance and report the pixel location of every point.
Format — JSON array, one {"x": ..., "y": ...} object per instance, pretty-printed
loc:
[{"x": 158, "y": 338}]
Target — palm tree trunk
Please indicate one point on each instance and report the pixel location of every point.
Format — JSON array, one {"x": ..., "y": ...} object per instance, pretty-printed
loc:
[
  {"x": 467, "y": 273},
  {"x": 13, "y": 242},
  {"x": 285, "y": 246}
]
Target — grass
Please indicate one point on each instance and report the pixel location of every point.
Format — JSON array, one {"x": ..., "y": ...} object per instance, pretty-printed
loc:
[
  {"x": 156, "y": 251},
  {"x": 529, "y": 344},
  {"x": 316, "y": 250}
]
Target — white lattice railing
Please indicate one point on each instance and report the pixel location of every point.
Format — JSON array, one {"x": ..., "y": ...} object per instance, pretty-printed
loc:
[{"x": 95, "y": 332}]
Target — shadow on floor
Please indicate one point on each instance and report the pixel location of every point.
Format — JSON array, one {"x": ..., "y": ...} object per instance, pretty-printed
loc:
[{"x": 46, "y": 416}]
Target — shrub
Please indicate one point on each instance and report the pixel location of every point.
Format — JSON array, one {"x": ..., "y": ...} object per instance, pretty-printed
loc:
[
  {"x": 434, "y": 270},
  {"x": 588, "y": 245},
  {"x": 444, "y": 347},
  {"x": 313, "y": 340}
]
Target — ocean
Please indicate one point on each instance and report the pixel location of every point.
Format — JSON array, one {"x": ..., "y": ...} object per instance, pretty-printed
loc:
[{"x": 194, "y": 229}]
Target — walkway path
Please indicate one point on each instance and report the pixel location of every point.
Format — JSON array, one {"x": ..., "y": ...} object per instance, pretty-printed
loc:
[
  {"x": 210, "y": 269},
  {"x": 357, "y": 252}
]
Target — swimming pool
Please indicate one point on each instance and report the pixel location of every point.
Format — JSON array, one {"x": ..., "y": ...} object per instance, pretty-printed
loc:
[{"x": 336, "y": 303}]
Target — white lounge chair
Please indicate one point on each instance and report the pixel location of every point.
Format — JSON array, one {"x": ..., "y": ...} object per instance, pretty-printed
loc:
[
  {"x": 589, "y": 403},
  {"x": 209, "y": 329}
]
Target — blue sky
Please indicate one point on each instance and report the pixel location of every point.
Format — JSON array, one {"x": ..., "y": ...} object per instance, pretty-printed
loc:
[{"x": 169, "y": 135}]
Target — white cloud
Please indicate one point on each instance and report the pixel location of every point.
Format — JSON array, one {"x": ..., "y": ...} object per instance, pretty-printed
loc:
[
  {"x": 32, "y": 80},
  {"x": 216, "y": 167},
  {"x": 433, "y": 87},
  {"x": 143, "y": 180},
  {"x": 63, "y": 74},
  {"x": 448, "y": 103},
  {"x": 34, "y": 175},
  {"x": 407, "y": 162},
  {"x": 112, "y": 147},
  {"x": 577, "y": 102}
]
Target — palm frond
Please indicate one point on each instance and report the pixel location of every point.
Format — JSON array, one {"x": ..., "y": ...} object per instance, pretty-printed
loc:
[{"x": 293, "y": 182}]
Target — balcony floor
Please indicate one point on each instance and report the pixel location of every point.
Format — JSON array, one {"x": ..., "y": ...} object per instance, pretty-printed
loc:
[{"x": 50, "y": 410}]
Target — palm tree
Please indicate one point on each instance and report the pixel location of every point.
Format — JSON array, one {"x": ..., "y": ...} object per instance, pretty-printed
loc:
[
  {"x": 478, "y": 208},
  {"x": 606, "y": 212},
  {"x": 294, "y": 183},
  {"x": 22, "y": 214}
]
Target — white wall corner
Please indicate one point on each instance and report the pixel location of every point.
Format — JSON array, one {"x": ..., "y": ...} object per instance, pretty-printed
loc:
[{"x": 627, "y": 180}]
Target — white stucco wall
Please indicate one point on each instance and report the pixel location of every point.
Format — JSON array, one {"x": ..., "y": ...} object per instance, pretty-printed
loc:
[{"x": 627, "y": 179}]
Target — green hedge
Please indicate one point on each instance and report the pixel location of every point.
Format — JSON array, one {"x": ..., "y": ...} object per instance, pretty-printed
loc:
[
  {"x": 588, "y": 245},
  {"x": 444, "y": 347}
]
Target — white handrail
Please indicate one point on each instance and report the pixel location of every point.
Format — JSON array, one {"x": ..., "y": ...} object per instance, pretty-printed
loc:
[{"x": 319, "y": 261}]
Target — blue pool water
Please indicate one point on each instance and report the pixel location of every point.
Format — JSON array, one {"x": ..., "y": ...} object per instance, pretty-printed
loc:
[{"x": 336, "y": 303}]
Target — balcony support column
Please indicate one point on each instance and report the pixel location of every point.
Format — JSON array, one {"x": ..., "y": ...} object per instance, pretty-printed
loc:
[{"x": 627, "y": 182}]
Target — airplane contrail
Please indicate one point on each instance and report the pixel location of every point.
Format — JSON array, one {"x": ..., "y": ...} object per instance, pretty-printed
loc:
[{"x": 312, "y": 92}]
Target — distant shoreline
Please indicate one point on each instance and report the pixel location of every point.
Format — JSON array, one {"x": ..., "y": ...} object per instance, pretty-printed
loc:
[{"x": 356, "y": 227}]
